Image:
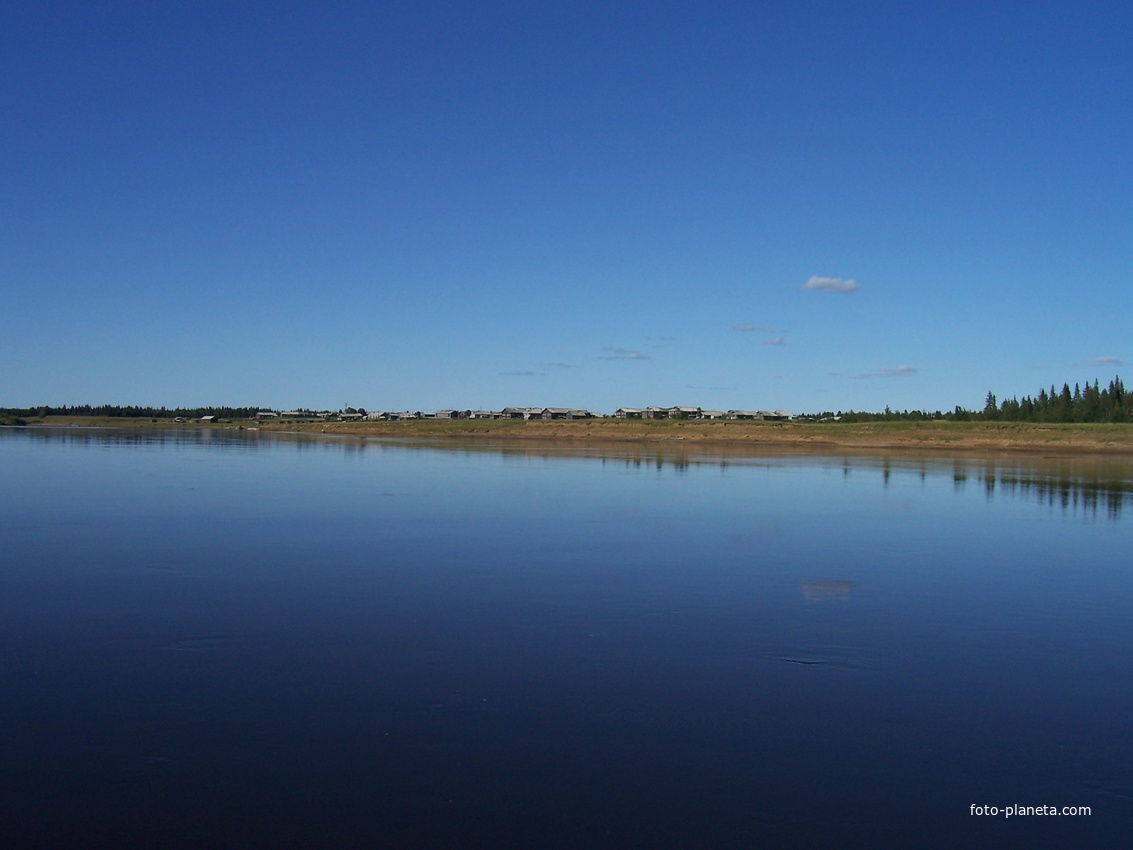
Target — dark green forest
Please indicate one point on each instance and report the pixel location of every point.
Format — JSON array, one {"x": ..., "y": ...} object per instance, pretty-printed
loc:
[
  {"x": 1094, "y": 403},
  {"x": 1089, "y": 404},
  {"x": 133, "y": 411}
]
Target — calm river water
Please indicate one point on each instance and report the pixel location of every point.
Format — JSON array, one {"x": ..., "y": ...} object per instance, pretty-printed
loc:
[{"x": 222, "y": 639}]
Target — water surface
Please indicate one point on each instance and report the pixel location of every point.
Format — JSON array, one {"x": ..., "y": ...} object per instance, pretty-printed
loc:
[{"x": 228, "y": 639}]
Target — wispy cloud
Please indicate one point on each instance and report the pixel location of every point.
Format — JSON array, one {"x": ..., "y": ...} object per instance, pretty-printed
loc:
[
  {"x": 1107, "y": 361},
  {"x": 615, "y": 353},
  {"x": 899, "y": 372},
  {"x": 831, "y": 284},
  {"x": 775, "y": 339},
  {"x": 753, "y": 329},
  {"x": 528, "y": 373}
]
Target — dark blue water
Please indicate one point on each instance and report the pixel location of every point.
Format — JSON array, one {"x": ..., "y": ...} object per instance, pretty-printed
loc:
[{"x": 217, "y": 639}]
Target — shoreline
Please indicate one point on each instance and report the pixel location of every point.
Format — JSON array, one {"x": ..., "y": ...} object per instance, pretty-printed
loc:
[{"x": 936, "y": 436}]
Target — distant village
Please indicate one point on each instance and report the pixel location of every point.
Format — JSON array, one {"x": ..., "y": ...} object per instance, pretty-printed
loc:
[{"x": 529, "y": 413}]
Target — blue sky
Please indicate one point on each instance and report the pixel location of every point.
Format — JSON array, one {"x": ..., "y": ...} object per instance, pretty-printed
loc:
[{"x": 809, "y": 206}]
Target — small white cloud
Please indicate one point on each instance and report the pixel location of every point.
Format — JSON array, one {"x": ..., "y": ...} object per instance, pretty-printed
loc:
[
  {"x": 831, "y": 284},
  {"x": 775, "y": 340},
  {"x": 614, "y": 353},
  {"x": 1107, "y": 361},
  {"x": 900, "y": 372}
]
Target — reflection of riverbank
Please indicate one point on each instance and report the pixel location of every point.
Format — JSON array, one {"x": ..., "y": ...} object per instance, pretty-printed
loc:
[
  {"x": 807, "y": 436},
  {"x": 1090, "y": 484},
  {"x": 939, "y": 436}
]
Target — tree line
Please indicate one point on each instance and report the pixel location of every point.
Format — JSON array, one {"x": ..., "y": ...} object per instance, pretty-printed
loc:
[
  {"x": 1093, "y": 403},
  {"x": 113, "y": 411}
]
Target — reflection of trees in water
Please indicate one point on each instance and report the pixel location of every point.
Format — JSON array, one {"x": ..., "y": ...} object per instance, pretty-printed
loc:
[
  {"x": 110, "y": 437},
  {"x": 1090, "y": 485},
  {"x": 631, "y": 456},
  {"x": 189, "y": 435},
  {"x": 1087, "y": 487}
]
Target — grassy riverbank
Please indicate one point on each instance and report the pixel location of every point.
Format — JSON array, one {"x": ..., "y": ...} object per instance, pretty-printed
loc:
[{"x": 919, "y": 436}]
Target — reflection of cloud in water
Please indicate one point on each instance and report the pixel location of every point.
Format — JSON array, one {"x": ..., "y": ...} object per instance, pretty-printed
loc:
[{"x": 821, "y": 591}]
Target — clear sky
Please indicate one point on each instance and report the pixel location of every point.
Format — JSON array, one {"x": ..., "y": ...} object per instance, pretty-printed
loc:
[{"x": 417, "y": 205}]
